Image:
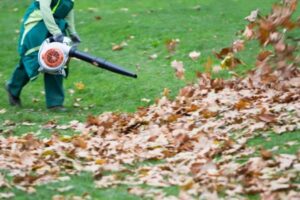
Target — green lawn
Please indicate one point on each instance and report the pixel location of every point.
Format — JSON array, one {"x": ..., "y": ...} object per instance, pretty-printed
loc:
[{"x": 200, "y": 25}]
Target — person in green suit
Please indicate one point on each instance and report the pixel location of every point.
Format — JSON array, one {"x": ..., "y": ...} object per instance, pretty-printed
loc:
[{"x": 43, "y": 19}]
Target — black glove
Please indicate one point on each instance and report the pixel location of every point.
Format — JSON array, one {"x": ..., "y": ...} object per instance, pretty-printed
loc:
[
  {"x": 75, "y": 38},
  {"x": 58, "y": 38}
]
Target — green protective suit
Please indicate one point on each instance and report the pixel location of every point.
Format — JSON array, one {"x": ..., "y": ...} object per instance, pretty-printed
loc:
[{"x": 42, "y": 19}]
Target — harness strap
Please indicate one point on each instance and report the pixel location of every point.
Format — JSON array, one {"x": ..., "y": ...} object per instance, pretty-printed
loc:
[{"x": 56, "y": 6}]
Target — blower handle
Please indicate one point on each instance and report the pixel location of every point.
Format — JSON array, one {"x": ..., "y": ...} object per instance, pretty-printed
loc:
[{"x": 99, "y": 62}]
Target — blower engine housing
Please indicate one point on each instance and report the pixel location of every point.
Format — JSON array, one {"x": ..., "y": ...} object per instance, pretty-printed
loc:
[{"x": 53, "y": 56}]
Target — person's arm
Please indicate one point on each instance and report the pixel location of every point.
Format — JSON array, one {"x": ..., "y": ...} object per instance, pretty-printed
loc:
[
  {"x": 71, "y": 27},
  {"x": 48, "y": 17},
  {"x": 71, "y": 22}
]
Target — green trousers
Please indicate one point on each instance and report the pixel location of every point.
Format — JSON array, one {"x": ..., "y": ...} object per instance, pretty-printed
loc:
[{"x": 53, "y": 84}]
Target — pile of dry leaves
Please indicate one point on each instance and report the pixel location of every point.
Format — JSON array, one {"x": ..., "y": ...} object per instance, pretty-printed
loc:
[{"x": 199, "y": 137}]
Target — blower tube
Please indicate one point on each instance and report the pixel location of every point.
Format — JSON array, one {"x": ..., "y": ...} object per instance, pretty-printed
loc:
[{"x": 99, "y": 62}]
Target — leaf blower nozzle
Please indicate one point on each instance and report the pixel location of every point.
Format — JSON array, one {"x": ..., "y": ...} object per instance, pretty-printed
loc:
[{"x": 99, "y": 62}]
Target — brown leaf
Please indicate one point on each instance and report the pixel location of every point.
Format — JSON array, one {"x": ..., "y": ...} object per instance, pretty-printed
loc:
[
  {"x": 238, "y": 45},
  {"x": 101, "y": 161},
  {"x": 208, "y": 114},
  {"x": 117, "y": 47},
  {"x": 269, "y": 118},
  {"x": 192, "y": 108},
  {"x": 196, "y": 167},
  {"x": 98, "y": 17},
  {"x": 224, "y": 52},
  {"x": 242, "y": 104},
  {"x": 171, "y": 45},
  {"x": 79, "y": 86},
  {"x": 263, "y": 55},
  {"x": 249, "y": 32},
  {"x": 92, "y": 120},
  {"x": 187, "y": 185},
  {"x": 265, "y": 154},
  {"x": 264, "y": 32},
  {"x": 173, "y": 118},
  {"x": 79, "y": 142},
  {"x": 178, "y": 66}
]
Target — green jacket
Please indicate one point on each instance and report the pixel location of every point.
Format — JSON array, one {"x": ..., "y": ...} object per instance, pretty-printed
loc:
[
  {"x": 56, "y": 15},
  {"x": 42, "y": 19}
]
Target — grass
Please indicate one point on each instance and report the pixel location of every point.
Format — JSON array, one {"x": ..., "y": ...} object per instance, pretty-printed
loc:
[
  {"x": 86, "y": 188},
  {"x": 281, "y": 141},
  {"x": 204, "y": 26}
]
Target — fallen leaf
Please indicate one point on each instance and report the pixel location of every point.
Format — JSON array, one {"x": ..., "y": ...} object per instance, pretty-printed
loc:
[
  {"x": 253, "y": 15},
  {"x": 194, "y": 55},
  {"x": 79, "y": 85},
  {"x": 98, "y": 17},
  {"x": 8, "y": 195},
  {"x": 249, "y": 33},
  {"x": 242, "y": 104},
  {"x": 280, "y": 184},
  {"x": 145, "y": 100},
  {"x": 171, "y": 45},
  {"x": 265, "y": 154},
  {"x": 270, "y": 118},
  {"x": 238, "y": 45},
  {"x": 153, "y": 56},
  {"x": 101, "y": 161},
  {"x": 178, "y": 66},
  {"x": 65, "y": 189},
  {"x": 2, "y": 111},
  {"x": 118, "y": 47}
]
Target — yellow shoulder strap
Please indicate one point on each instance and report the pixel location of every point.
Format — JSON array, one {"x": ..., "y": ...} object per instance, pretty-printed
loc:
[{"x": 56, "y": 6}]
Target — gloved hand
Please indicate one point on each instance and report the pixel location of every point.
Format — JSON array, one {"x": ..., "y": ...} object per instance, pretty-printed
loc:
[
  {"x": 75, "y": 38},
  {"x": 58, "y": 38}
]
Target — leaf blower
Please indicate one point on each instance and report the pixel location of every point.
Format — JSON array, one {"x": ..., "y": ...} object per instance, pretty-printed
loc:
[{"x": 53, "y": 57}]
